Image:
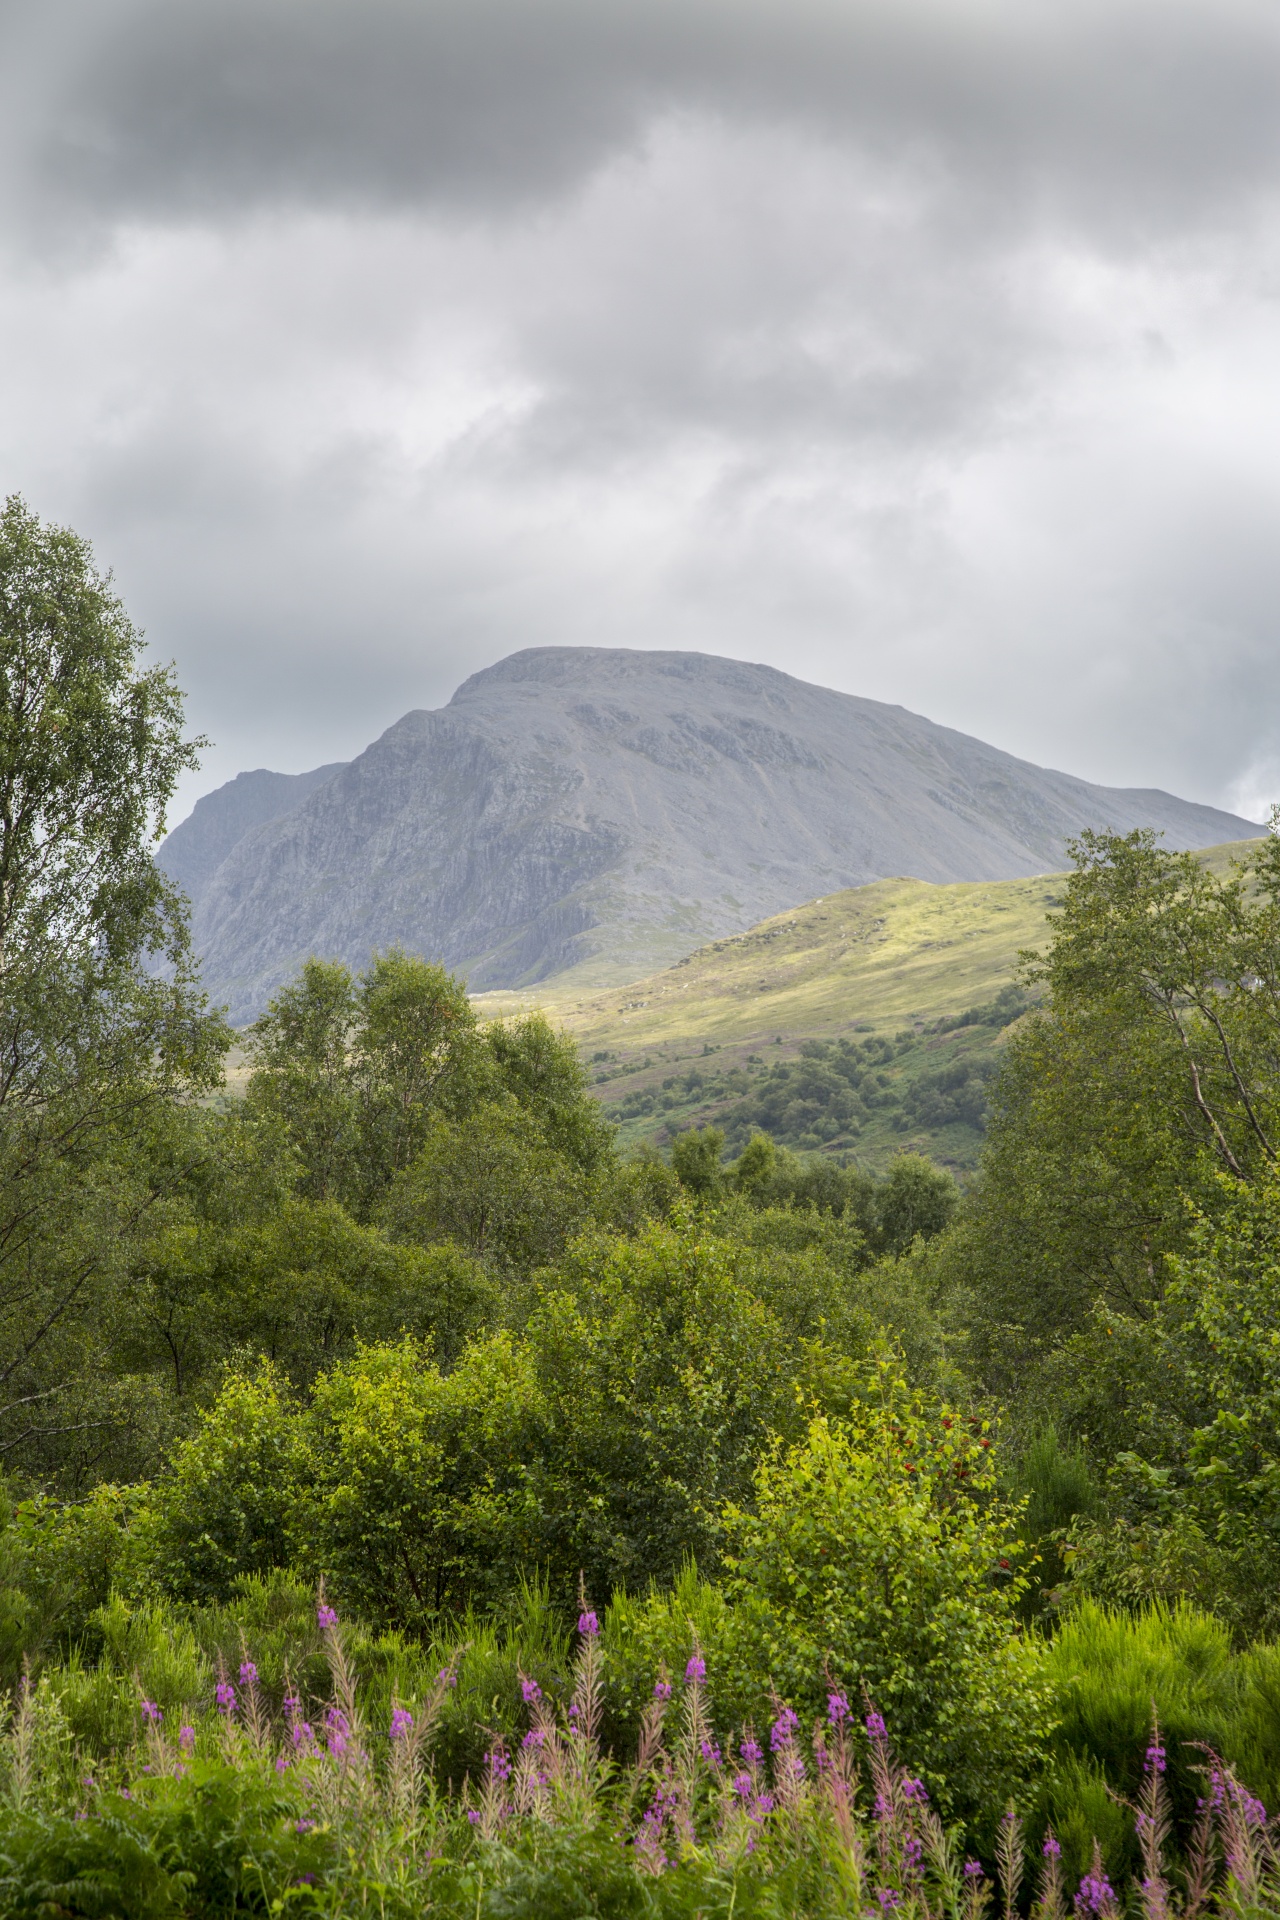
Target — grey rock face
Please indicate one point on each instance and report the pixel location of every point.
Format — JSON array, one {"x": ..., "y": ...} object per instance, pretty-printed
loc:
[
  {"x": 612, "y": 810},
  {"x": 194, "y": 851}
]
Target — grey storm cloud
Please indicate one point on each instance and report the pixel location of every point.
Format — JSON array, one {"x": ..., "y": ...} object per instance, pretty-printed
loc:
[{"x": 928, "y": 350}]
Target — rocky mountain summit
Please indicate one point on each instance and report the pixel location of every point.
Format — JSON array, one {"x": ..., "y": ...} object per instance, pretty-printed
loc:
[{"x": 609, "y": 811}]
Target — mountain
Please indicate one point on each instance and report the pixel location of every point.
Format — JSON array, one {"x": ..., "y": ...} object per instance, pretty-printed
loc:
[
  {"x": 194, "y": 851},
  {"x": 609, "y": 811}
]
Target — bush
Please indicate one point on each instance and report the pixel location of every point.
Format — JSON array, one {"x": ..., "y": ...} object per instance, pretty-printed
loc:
[{"x": 879, "y": 1551}]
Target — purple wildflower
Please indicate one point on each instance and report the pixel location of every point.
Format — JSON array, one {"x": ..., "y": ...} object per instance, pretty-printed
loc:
[
  {"x": 499, "y": 1764},
  {"x": 751, "y": 1751},
  {"x": 973, "y": 1871},
  {"x": 662, "y": 1689},
  {"x": 1096, "y": 1892},
  {"x": 291, "y": 1703},
  {"x": 401, "y": 1722},
  {"x": 532, "y": 1692},
  {"x": 742, "y": 1785},
  {"x": 248, "y": 1674},
  {"x": 915, "y": 1790},
  {"x": 301, "y": 1733},
  {"x": 1155, "y": 1759},
  {"x": 303, "y": 1826},
  {"x": 536, "y": 1737},
  {"x": 446, "y": 1677},
  {"x": 588, "y": 1625},
  {"x": 696, "y": 1670},
  {"x": 282, "y": 1763},
  {"x": 187, "y": 1739},
  {"x": 837, "y": 1708},
  {"x": 784, "y": 1728},
  {"x": 875, "y": 1726},
  {"x": 225, "y": 1694},
  {"x": 711, "y": 1752},
  {"x": 1052, "y": 1849},
  {"x": 473, "y": 1815},
  {"x": 888, "y": 1898},
  {"x": 151, "y": 1712},
  {"x": 326, "y": 1618}
]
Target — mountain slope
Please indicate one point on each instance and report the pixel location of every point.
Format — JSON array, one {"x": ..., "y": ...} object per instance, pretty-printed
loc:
[
  {"x": 194, "y": 851},
  {"x": 865, "y": 1022},
  {"x": 609, "y": 811}
]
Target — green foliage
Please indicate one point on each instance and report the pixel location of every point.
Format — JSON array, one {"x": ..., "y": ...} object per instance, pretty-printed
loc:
[
  {"x": 663, "y": 1376},
  {"x": 877, "y": 1548},
  {"x": 300, "y": 1287},
  {"x": 493, "y": 1184},
  {"x": 1111, "y": 1671},
  {"x": 1154, "y": 1067},
  {"x": 355, "y": 1069},
  {"x": 224, "y": 1507},
  {"x": 95, "y": 1046},
  {"x": 418, "y": 1496},
  {"x": 1195, "y": 1509}
]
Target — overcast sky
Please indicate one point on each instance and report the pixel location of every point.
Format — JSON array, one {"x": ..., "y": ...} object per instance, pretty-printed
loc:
[{"x": 927, "y": 349}]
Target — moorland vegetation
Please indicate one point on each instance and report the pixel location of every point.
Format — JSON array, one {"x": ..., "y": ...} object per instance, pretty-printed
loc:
[{"x": 416, "y": 1504}]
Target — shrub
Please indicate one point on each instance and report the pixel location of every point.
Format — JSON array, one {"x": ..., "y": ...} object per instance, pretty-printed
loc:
[{"x": 879, "y": 1551}]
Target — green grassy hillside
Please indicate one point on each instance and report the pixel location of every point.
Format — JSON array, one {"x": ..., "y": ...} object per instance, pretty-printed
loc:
[{"x": 866, "y": 1022}]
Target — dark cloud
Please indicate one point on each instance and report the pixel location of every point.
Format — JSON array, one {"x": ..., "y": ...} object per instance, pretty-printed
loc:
[
  {"x": 1111, "y": 109},
  {"x": 923, "y": 347}
]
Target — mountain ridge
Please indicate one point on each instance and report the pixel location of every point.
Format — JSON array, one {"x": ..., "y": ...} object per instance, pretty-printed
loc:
[{"x": 605, "y": 811}]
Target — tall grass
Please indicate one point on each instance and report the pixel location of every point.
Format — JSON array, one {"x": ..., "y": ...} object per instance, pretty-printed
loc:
[{"x": 266, "y": 1795}]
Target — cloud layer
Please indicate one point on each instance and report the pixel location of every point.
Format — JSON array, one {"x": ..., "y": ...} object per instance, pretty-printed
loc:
[{"x": 925, "y": 350}]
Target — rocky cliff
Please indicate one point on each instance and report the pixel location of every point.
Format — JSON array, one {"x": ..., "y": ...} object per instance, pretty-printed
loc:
[{"x": 609, "y": 811}]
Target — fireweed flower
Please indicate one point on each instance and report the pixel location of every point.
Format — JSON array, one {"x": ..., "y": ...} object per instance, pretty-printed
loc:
[
  {"x": 888, "y": 1898},
  {"x": 301, "y": 1733},
  {"x": 743, "y": 1785},
  {"x": 696, "y": 1670},
  {"x": 1155, "y": 1759},
  {"x": 225, "y": 1694},
  {"x": 751, "y": 1751},
  {"x": 325, "y": 1618},
  {"x": 588, "y": 1625},
  {"x": 536, "y": 1737},
  {"x": 1096, "y": 1892},
  {"x": 446, "y": 1677},
  {"x": 915, "y": 1790},
  {"x": 837, "y": 1708},
  {"x": 711, "y": 1752},
  {"x": 248, "y": 1674},
  {"x": 282, "y": 1763},
  {"x": 783, "y": 1731},
  {"x": 1051, "y": 1848},
  {"x": 303, "y": 1826},
  {"x": 973, "y": 1870},
  {"x": 187, "y": 1739},
  {"x": 662, "y": 1689},
  {"x": 473, "y": 1815},
  {"x": 498, "y": 1763},
  {"x": 875, "y": 1726},
  {"x": 151, "y": 1712},
  {"x": 532, "y": 1692},
  {"x": 401, "y": 1722},
  {"x": 291, "y": 1703}
]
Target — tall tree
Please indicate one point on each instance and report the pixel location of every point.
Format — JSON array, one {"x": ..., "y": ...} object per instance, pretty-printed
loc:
[{"x": 95, "y": 1043}]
